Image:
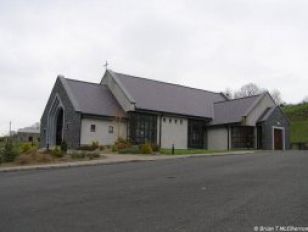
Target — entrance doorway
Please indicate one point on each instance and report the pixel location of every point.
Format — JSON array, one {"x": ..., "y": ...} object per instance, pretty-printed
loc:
[
  {"x": 278, "y": 139},
  {"x": 59, "y": 127}
]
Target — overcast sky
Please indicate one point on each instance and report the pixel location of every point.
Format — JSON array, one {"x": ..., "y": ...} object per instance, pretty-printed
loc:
[{"x": 206, "y": 44}]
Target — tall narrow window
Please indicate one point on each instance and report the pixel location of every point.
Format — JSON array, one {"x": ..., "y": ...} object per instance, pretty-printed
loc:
[
  {"x": 93, "y": 128},
  {"x": 110, "y": 130},
  {"x": 143, "y": 128}
]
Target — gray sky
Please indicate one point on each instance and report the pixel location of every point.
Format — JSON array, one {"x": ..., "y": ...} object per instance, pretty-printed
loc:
[{"x": 206, "y": 44}]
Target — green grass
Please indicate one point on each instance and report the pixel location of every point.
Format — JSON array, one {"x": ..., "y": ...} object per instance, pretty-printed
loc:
[
  {"x": 298, "y": 116},
  {"x": 296, "y": 112},
  {"x": 186, "y": 151},
  {"x": 299, "y": 131}
]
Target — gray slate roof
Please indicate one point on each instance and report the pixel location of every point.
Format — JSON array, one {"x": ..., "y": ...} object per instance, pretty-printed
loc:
[
  {"x": 165, "y": 97},
  {"x": 91, "y": 98},
  {"x": 232, "y": 111}
]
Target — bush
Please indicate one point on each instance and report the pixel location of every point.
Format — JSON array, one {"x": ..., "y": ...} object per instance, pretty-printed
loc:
[
  {"x": 24, "y": 159},
  {"x": 155, "y": 147},
  {"x": 146, "y": 149},
  {"x": 131, "y": 150},
  {"x": 78, "y": 155},
  {"x": 43, "y": 158},
  {"x": 33, "y": 157},
  {"x": 101, "y": 147},
  {"x": 94, "y": 145},
  {"x": 108, "y": 146},
  {"x": 9, "y": 153},
  {"x": 121, "y": 144},
  {"x": 114, "y": 148},
  {"x": 86, "y": 148},
  {"x": 57, "y": 153},
  {"x": 26, "y": 147},
  {"x": 64, "y": 146},
  {"x": 92, "y": 155}
]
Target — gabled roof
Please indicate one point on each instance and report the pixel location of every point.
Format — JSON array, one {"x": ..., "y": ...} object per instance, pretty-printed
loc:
[
  {"x": 160, "y": 96},
  {"x": 232, "y": 111},
  {"x": 91, "y": 98},
  {"x": 267, "y": 113}
]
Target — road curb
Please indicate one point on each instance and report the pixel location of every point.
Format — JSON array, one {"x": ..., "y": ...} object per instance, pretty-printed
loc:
[{"x": 110, "y": 162}]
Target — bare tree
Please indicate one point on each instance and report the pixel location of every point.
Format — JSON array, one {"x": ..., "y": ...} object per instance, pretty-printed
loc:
[
  {"x": 228, "y": 93},
  {"x": 277, "y": 97},
  {"x": 248, "y": 90}
]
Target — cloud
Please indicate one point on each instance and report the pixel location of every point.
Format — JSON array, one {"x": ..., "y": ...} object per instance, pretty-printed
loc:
[{"x": 205, "y": 44}]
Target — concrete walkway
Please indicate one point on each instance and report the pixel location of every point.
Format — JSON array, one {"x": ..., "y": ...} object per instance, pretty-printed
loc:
[{"x": 113, "y": 159}]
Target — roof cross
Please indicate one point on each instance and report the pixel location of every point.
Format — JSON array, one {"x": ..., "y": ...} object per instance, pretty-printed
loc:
[{"x": 106, "y": 65}]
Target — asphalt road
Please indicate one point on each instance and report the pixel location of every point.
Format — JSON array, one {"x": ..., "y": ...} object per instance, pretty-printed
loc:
[{"x": 229, "y": 193}]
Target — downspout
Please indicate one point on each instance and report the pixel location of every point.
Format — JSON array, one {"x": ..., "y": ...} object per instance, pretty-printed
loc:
[
  {"x": 160, "y": 126},
  {"x": 228, "y": 128}
]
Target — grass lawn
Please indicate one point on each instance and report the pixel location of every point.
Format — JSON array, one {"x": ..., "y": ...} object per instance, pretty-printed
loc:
[
  {"x": 186, "y": 151},
  {"x": 299, "y": 131}
]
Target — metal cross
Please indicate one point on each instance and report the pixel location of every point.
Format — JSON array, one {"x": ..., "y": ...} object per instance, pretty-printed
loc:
[{"x": 106, "y": 65}]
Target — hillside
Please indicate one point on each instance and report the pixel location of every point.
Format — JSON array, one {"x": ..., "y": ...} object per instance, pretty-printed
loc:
[{"x": 298, "y": 116}]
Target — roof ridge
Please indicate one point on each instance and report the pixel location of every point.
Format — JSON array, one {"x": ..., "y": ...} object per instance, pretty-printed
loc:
[
  {"x": 241, "y": 98},
  {"x": 86, "y": 82},
  {"x": 163, "y": 82}
]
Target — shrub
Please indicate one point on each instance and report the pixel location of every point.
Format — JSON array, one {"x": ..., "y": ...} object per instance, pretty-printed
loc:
[
  {"x": 26, "y": 147},
  {"x": 78, "y": 155},
  {"x": 146, "y": 149},
  {"x": 121, "y": 144},
  {"x": 95, "y": 145},
  {"x": 155, "y": 147},
  {"x": 86, "y": 148},
  {"x": 57, "y": 153},
  {"x": 114, "y": 148},
  {"x": 131, "y": 150},
  {"x": 42, "y": 158},
  {"x": 101, "y": 147},
  {"x": 108, "y": 146},
  {"x": 64, "y": 146},
  {"x": 33, "y": 157},
  {"x": 9, "y": 153},
  {"x": 92, "y": 155},
  {"x": 24, "y": 159}
]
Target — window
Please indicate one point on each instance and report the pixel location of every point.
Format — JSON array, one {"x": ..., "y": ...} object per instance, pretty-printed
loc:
[
  {"x": 170, "y": 120},
  {"x": 181, "y": 121},
  {"x": 242, "y": 137},
  {"x": 93, "y": 128},
  {"x": 175, "y": 121},
  {"x": 142, "y": 128},
  {"x": 110, "y": 130},
  {"x": 164, "y": 119}
]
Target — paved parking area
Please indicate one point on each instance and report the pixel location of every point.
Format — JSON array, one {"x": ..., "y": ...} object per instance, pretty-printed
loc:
[{"x": 225, "y": 193}]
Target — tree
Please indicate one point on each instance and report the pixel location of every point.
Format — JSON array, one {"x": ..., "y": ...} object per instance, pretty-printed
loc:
[
  {"x": 248, "y": 90},
  {"x": 276, "y": 95},
  {"x": 228, "y": 93},
  {"x": 305, "y": 99}
]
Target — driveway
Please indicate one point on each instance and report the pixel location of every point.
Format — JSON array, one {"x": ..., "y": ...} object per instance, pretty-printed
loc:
[{"x": 225, "y": 193}]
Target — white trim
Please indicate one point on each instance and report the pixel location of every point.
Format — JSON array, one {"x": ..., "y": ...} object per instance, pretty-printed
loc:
[
  {"x": 283, "y": 137},
  {"x": 52, "y": 115}
]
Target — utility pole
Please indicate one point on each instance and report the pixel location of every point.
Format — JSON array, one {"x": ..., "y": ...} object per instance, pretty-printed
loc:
[{"x": 10, "y": 132}]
